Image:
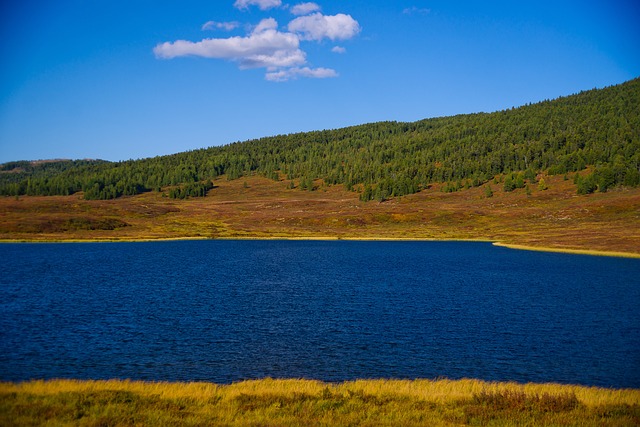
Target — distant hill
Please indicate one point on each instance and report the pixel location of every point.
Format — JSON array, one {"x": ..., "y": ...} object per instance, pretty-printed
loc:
[{"x": 598, "y": 130}]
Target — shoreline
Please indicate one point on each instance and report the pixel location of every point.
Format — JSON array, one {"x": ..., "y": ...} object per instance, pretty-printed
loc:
[
  {"x": 49, "y": 385},
  {"x": 591, "y": 252},
  {"x": 514, "y": 246}
]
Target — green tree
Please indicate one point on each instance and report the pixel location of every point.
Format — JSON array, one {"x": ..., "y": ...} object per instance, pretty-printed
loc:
[
  {"x": 488, "y": 192},
  {"x": 509, "y": 184},
  {"x": 542, "y": 185}
]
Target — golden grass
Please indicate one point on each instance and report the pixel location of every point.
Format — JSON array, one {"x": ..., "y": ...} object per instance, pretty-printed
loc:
[
  {"x": 569, "y": 251},
  {"x": 291, "y": 402}
]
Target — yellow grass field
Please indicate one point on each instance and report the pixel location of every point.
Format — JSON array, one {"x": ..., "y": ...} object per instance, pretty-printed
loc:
[
  {"x": 260, "y": 208},
  {"x": 271, "y": 402}
]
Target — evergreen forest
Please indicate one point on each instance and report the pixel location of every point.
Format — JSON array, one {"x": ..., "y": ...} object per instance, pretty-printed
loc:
[{"x": 595, "y": 131}]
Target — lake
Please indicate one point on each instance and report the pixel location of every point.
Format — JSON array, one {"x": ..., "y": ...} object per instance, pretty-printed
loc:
[{"x": 225, "y": 311}]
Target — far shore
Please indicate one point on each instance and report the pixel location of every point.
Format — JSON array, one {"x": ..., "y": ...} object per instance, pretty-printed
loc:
[
  {"x": 617, "y": 254},
  {"x": 553, "y": 220}
]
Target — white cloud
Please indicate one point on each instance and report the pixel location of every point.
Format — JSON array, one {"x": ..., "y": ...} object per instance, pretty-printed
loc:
[
  {"x": 294, "y": 73},
  {"x": 415, "y": 9},
  {"x": 319, "y": 26},
  {"x": 264, "y": 47},
  {"x": 262, "y": 4},
  {"x": 304, "y": 9},
  {"x": 266, "y": 24},
  {"x": 277, "y": 59},
  {"x": 226, "y": 26}
]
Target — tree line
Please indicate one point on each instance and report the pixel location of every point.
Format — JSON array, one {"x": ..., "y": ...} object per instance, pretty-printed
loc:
[{"x": 597, "y": 129}]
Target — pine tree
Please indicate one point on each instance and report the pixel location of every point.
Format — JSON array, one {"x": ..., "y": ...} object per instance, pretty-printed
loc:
[
  {"x": 488, "y": 192},
  {"x": 542, "y": 185}
]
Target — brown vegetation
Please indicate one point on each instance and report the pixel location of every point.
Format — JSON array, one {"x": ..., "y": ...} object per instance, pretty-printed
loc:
[{"x": 256, "y": 207}]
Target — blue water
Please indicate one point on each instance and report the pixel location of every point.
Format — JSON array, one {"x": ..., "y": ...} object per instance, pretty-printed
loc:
[{"x": 224, "y": 311}]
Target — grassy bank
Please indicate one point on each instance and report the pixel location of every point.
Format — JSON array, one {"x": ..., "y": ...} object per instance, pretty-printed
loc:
[
  {"x": 271, "y": 402},
  {"x": 569, "y": 251}
]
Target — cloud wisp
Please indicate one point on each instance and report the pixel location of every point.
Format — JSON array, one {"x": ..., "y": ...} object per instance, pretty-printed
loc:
[
  {"x": 416, "y": 10},
  {"x": 226, "y": 26},
  {"x": 262, "y": 4},
  {"x": 266, "y": 46},
  {"x": 295, "y": 72},
  {"x": 305, "y": 9}
]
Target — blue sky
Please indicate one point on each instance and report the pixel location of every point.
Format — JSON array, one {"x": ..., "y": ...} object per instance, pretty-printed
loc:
[{"x": 122, "y": 79}]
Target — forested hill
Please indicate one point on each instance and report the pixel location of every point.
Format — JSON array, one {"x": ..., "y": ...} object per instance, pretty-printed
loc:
[{"x": 597, "y": 129}]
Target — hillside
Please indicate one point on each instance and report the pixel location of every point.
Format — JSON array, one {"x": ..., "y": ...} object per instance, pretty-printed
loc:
[
  {"x": 596, "y": 129},
  {"x": 561, "y": 175}
]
